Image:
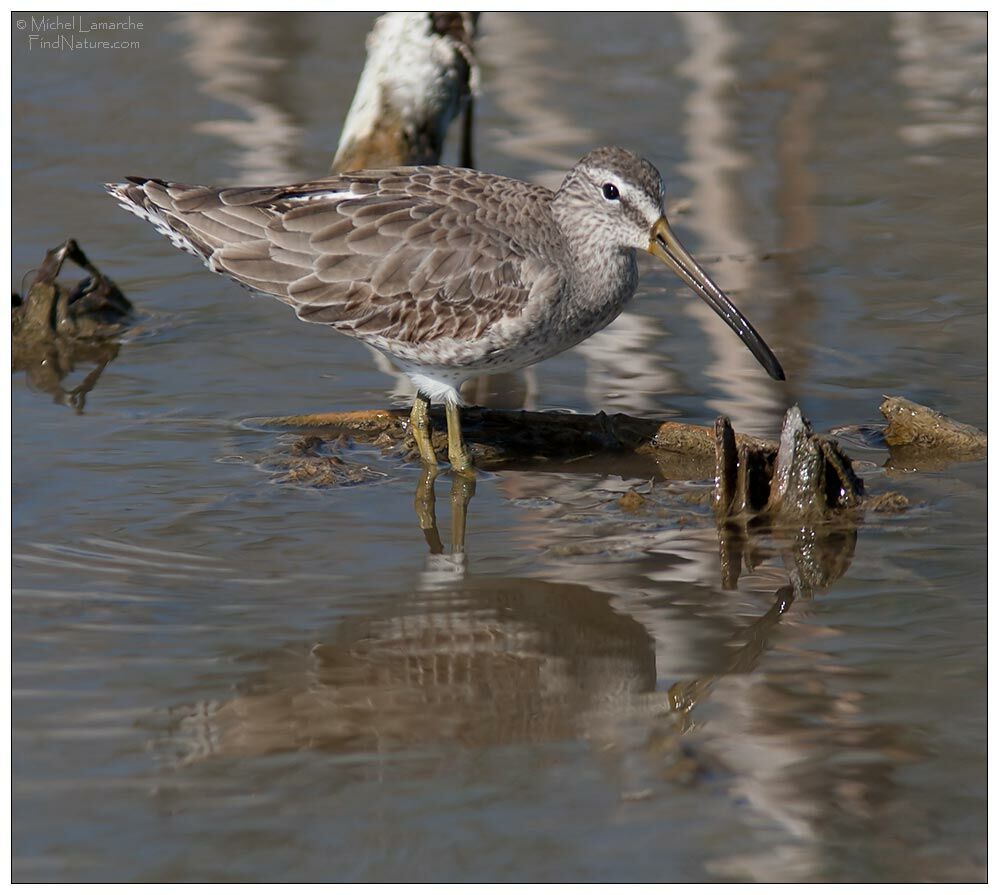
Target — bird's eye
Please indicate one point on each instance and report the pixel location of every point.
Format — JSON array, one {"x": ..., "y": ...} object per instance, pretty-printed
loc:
[{"x": 611, "y": 192}]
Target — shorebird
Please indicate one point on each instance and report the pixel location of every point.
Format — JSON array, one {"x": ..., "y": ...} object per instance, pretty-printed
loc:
[{"x": 450, "y": 272}]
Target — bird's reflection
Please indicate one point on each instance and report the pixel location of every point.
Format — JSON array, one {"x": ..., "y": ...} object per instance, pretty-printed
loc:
[
  {"x": 475, "y": 661},
  {"x": 462, "y": 491},
  {"x": 245, "y": 61},
  {"x": 482, "y": 661}
]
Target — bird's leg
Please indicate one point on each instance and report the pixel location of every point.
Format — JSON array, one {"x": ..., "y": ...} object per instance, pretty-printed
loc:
[
  {"x": 419, "y": 422},
  {"x": 457, "y": 453}
]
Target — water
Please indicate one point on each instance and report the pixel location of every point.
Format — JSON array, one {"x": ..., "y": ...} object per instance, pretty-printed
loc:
[{"x": 220, "y": 677}]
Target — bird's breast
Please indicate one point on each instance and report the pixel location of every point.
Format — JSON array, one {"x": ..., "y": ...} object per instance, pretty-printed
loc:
[
  {"x": 599, "y": 290},
  {"x": 575, "y": 308}
]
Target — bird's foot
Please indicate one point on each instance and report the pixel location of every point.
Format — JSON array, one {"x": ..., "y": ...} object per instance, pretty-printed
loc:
[{"x": 419, "y": 423}]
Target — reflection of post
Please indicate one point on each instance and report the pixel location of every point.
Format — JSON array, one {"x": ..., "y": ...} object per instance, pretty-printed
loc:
[
  {"x": 795, "y": 48},
  {"x": 717, "y": 211},
  {"x": 524, "y": 84},
  {"x": 242, "y": 59},
  {"x": 942, "y": 64},
  {"x": 621, "y": 367}
]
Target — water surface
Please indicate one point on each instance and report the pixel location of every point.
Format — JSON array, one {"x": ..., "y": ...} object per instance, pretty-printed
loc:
[{"x": 221, "y": 677}]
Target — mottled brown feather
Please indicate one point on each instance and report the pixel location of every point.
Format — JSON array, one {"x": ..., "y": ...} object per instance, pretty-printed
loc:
[{"x": 408, "y": 255}]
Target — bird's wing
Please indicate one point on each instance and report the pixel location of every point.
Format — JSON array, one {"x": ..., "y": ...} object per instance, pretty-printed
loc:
[{"x": 412, "y": 255}]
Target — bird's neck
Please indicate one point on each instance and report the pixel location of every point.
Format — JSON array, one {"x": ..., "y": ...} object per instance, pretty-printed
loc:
[
  {"x": 599, "y": 272},
  {"x": 602, "y": 276}
]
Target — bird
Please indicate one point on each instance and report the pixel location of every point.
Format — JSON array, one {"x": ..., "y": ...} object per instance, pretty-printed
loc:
[{"x": 450, "y": 272}]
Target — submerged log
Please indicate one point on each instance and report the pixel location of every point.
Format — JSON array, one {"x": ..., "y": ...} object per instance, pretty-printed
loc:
[
  {"x": 501, "y": 438},
  {"x": 498, "y": 439},
  {"x": 805, "y": 477}
]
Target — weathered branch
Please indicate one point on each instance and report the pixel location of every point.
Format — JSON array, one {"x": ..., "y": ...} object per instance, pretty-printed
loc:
[
  {"x": 804, "y": 477},
  {"x": 501, "y": 438}
]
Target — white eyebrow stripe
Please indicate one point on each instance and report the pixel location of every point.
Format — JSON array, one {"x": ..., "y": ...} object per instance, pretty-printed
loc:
[
  {"x": 634, "y": 195},
  {"x": 641, "y": 199}
]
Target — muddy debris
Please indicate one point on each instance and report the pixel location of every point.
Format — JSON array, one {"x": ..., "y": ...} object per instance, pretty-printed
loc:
[
  {"x": 812, "y": 475},
  {"x": 805, "y": 492},
  {"x": 310, "y": 463},
  {"x": 94, "y": 308},
  {"x": 807, "y": 476},
  {"x": 888, "y": 502},
  {"x": 55, "y": 327},
  {"x": 632, "y": 501},
  {"x": 922, "y": 438}
]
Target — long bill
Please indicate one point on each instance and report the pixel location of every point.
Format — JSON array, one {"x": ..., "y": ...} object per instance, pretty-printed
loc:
[{"x": 665, "y": 246}]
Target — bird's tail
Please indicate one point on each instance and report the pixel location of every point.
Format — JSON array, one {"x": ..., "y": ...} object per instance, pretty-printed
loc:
[{"x": 155, "y": 201}]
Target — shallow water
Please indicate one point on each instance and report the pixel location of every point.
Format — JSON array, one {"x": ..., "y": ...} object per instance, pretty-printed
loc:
[{"x": 221, "y": 677}]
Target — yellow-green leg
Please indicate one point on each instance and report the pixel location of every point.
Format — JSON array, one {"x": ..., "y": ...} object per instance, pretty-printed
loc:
[
  {"x": 457, "y": 453},
  {"x": 419, "y": 422}
]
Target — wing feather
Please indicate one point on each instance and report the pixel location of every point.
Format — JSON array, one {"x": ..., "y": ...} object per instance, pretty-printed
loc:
[{"x": 410, "y": 255}]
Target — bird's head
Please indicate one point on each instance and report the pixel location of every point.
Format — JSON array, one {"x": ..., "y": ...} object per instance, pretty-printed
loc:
[{"x": 617, "y": 198}]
